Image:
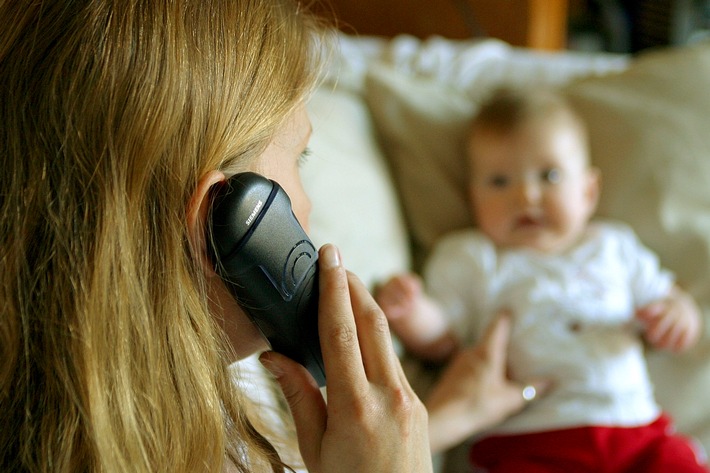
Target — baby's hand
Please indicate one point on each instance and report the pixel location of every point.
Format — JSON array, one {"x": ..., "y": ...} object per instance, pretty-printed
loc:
[
  {"x": 398, "y": 296},
  {"x": 673, "y": 323},
  {"x": 416, "y": 318}
]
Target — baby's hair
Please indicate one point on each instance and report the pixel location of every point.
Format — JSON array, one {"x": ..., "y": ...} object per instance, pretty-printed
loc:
[{"x": 507, "y": 108}]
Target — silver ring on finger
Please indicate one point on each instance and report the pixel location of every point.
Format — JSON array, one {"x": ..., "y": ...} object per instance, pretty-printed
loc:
[{"x": 529, "y": 393}]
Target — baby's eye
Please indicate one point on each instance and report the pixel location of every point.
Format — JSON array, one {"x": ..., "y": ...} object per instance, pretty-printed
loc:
[
  {"x": 498, "y": 181},
  {"x": 552, "y": 175},
  {"x": 303, "y": 157}
]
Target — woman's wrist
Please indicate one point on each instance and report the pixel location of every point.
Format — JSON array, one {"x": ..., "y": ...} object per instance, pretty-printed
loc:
[{"x": 447, "y": 428}]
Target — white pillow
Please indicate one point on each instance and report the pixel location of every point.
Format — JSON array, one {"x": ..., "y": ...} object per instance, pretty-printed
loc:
[{"x": 346, "y": 177}]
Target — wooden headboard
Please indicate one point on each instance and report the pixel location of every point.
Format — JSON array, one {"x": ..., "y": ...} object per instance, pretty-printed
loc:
[{"x": 540, "y": 24}]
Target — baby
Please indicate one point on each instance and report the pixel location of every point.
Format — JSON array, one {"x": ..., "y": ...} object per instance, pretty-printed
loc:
[{"x": 583, "y": 295}]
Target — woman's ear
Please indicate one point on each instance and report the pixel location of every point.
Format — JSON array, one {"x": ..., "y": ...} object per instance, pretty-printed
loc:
[
  {"x": 243, "y": 335},
  {"x": 197, "y": 211}
]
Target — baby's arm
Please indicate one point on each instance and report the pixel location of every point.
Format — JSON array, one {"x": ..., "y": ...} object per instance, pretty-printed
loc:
[
  {"x": 673, "y": 323},
  {"x": 415, "y": 318}
]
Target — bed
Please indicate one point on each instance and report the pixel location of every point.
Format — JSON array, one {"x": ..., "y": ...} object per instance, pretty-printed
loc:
[{"x": 385, "y": 171}]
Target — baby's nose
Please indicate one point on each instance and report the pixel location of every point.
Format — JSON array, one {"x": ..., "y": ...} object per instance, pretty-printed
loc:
[{"x": 528, "y": 193}]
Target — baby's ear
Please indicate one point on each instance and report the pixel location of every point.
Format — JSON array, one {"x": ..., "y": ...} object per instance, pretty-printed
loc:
[
  {"x": 594, "y": 182},
  {"x": 197, "y": 212}
]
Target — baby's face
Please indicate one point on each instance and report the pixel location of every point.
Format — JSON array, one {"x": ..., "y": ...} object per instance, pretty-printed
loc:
[{"x": 533, "y": 187}]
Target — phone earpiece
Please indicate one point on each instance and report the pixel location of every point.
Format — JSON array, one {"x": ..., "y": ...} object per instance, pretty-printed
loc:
[{"x": 269, "y": 264}]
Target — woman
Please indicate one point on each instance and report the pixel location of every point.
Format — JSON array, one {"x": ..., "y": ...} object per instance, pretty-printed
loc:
[{"x": 117, "y": 118}]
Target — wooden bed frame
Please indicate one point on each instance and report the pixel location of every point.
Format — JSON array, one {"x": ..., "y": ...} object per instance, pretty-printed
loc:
[{"x": 540, "y": 24}]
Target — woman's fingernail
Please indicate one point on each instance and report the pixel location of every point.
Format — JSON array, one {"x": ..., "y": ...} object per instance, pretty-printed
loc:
[{"x": 330, "y": 256}]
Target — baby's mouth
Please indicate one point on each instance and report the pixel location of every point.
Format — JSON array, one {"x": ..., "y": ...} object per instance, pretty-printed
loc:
[{"x": 527, "y": 221}]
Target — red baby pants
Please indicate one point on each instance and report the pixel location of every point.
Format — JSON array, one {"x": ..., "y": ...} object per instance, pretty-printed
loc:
[{"x": 648, "y": 449}]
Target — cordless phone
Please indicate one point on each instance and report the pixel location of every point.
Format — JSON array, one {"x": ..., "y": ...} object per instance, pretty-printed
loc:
[{"x": 262, "y": 253}]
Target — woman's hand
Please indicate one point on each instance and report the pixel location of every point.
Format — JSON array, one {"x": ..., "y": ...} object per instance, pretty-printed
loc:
[
  {"x": 372, "y": 420},
  {"x": 474, "y": 393}
]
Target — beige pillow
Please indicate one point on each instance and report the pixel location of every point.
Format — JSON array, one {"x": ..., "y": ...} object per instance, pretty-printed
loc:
[
  {"x": 650, "y": 135},
  {"x": 422, "y": 124}
]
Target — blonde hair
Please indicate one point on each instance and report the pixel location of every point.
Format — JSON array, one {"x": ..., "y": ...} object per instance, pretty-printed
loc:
[{"x": 110, "y": 112}]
